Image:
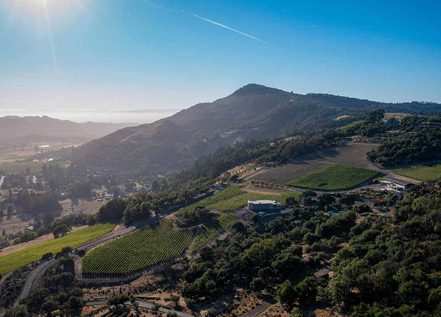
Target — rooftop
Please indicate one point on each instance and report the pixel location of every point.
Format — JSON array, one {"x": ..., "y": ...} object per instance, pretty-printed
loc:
[
  {"x": 263, "y": 202},
  {"x": 397, "y": 181}
]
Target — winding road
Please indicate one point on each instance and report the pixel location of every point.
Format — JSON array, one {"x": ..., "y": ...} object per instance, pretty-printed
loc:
[
  {"x": 117, "y": 232},
  {"x": 41, "y": 268},
  {"x": 31, "y": 279}
]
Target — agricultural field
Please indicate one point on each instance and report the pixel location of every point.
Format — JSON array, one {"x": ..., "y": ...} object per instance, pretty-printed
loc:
[
  {"x": 83, "y": 206},
  {"x": 137, "y": 251},
  {"x": 335, "y": 177},
  {"x": 13, "y": 224},
  {"x": 354, "y": 154},
  {"x": 235, "y": 197},
  {"x": 426, "y": 173},
  {"x": 20, "y": 167},
  {"x": 24, "y": 257}
]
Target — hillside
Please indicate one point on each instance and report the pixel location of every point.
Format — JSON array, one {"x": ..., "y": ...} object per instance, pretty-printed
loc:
[
  {"x": 34, "y": 130},
  {"x": 252, "y": 112}
]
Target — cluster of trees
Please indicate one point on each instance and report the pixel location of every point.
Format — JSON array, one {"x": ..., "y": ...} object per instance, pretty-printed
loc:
[
  {"x": 37, "y": 204},
  {"x": 199, "y": 216},
  {"x": 268, "y": 256},
  {"x": 144, "y": 205},
  {"x": 368, "y": 126},
  {"x": 58, "y": 291},
  {"x": 49, "y": 224},
  {"x": 11, "y": 287},
  {"x": 81, "y": 190},
  {"x": 394, "y": 268},
  {"x": 383, "y": 266},
  {"x": 419, "y": 140}
]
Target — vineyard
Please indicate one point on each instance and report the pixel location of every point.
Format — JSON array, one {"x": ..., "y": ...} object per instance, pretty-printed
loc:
[
  {"x": 335, "y": 177},
  {"x": 137, "y": 251}
]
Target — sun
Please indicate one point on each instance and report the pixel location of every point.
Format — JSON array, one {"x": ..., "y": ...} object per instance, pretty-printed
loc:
[
  {"x": 44, "y": 10},
  {"x": 39, "y": 6}
]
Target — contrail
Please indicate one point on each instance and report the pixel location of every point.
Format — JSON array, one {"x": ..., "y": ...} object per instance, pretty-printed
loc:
[{"x": 227, "y": 27}]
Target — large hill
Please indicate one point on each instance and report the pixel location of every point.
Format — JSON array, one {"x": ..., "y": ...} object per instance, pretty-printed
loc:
[
  {"x": 252, "y": 112},
  {"x": 34, "y": 130}
]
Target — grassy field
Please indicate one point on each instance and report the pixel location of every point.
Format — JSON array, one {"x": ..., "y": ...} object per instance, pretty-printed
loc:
[
  {"x": 230, "y": 199},
  {"x": 20, "y": 167},
  {"x": 227, "y": 220},
  {"x": 137, "y": 251},
  {"x": 425, "y": 173},
  {"x": 209, "y": 234},
  {"x": 24, "y": 257},
  {"x": 335, "y": 177},
  {"x": 234, "y": 197}
]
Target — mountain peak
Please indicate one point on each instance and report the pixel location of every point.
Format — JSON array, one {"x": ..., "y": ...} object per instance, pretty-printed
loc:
[{"x": 257, "y": 89}]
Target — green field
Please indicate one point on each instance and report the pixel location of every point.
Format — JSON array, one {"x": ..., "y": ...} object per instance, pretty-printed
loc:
[
  {"x": 425, "y": 173},
  {"x": 227, "y": 220},
  {"x": 137, "y": 251},
  {"x": 234, "y": 197},
  {"x": 351, "y": 126},
  {"x": 19, "y": 259},
  {"x": 335, "y": 177}
]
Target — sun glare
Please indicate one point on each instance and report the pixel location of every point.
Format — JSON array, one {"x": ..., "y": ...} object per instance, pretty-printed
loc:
[
  {"x": 43, "y": 10},
  {"x": 38, "y": 7}
]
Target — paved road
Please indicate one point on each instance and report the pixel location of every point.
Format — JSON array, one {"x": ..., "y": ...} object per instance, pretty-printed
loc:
[
  {"x": 258, "y": 310},
  {"x": 146, "y": 305},
  {"x": 107, "y": 237},
  {"x": 31, "y": 279},
  {"x": 41, "y": 268}
]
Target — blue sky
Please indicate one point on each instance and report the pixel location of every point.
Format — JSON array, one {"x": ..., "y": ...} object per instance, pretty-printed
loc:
[{"x": 139, "y": 60}]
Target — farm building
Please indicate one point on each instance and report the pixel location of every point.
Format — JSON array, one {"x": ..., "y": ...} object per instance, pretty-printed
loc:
[
  {"x": 264, "y": 205},
  {"x": 393, "y": 184}
]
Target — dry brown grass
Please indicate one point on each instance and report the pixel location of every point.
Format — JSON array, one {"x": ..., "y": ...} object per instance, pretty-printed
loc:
[{"x": 84, "y": 206}]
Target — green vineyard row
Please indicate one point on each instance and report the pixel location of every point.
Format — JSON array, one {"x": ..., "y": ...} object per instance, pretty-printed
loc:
[{"x": 137, "y": 251}]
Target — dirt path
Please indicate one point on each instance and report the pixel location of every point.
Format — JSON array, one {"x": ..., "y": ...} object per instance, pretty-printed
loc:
[
  {"x": 251, "y": 188},
  {"x": 390, "y": 173}
]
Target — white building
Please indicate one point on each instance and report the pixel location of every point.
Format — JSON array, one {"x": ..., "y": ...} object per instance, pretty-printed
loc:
[
  {"x": 264, "y": 205},
  {"x": 393, "y": 184}
]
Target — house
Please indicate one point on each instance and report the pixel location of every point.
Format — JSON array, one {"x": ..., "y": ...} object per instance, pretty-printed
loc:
[
  {"x": 397, "y": 185},
  {"x": 264, "y": 205},
  {"x": 335, "y": 213},
  {"x": 108, "y": 196}
]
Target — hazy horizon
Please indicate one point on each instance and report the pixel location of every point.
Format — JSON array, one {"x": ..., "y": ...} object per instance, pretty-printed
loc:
[
  {"x": 104, "y": 116},
  {"x": 134, "y": 115}
]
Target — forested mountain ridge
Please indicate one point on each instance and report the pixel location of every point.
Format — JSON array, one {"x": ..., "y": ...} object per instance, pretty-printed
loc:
[
  {"x": 30, "y": 130},
  {"x": 252, "y": 112}
]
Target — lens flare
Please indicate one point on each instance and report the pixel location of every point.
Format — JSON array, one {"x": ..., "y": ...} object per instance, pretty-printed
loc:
[{"x": 43, "y": 9}]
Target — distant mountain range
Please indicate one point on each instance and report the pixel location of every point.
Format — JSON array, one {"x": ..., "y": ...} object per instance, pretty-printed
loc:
[
  {"x": 37, "y": 130},
  {"x": 252, "y": 112}
]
